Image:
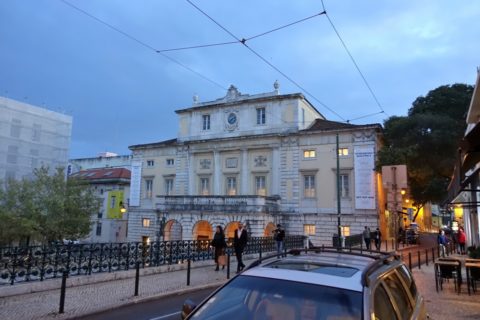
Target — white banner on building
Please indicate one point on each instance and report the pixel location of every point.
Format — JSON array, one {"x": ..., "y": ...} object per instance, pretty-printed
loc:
[
  {"x": 135, "y": 183},
  {"x": 364, "y": 164}
]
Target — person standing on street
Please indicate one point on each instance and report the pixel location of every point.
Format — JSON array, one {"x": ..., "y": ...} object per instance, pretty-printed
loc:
[
  {"x": 366, "y": 237},
  {"x": 462, "y": 239},
  {"x": 279, "y": 236},
  {"x": 442, "y": 242},
  {"x": 378, "y": 239},
  {"x": 239, "y": 242},
  {"x": 218, "y": 243}
]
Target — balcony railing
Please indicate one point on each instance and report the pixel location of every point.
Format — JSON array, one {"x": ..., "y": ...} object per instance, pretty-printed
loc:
[{"x": 228, "y": 204}]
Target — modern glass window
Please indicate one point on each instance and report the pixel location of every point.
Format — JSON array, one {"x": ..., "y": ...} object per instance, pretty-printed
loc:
[
  {"x": 260, "y": 186},
  {"x": 148, "y": 188},
  {"x": 146, "y": 222},
  {"x": 309, "y": 154},
  {"x": 309, "y": 186},
  {"x": 343, "y": 152},
  {"x": 99, "y": 229},
  {"x": 169, "y": 186},
  {"x": 113, "y": 199},
  {"x": 37, "y": 129},
  {"x": 231, "y": 186},
  {"x": 261, "y": 116},
  {"x": 150, "y": 163},
  {"x": 170, "y": 162},
  {"x": 15, "y": 128},
  {"x": 309, "y": 229},
  {"x": 204, "y": 186},
  {"x": 344, "y": 186},
  {"x": 206, "y": 122}
]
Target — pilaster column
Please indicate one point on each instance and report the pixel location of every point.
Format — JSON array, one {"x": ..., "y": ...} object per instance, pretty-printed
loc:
[
  {"x": 217, "y": 167},
  {"x": 191, "y": 174},
  {"x": 244, "y": 172},
  {"x": 275, "y": 171}
]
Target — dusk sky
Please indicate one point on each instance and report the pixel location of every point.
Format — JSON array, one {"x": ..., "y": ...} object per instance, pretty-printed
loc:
[{"x": 98, "y": 62}]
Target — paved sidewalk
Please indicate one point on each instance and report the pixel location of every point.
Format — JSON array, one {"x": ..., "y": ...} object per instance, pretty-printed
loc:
[{"x": 87, "y": 299}]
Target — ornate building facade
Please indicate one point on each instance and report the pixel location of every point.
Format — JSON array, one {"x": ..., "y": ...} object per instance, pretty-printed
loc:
[{"x": 260, "y": 159}]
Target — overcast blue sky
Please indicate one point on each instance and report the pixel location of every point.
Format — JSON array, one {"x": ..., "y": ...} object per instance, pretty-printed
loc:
[{"x": 121, "y": 92}]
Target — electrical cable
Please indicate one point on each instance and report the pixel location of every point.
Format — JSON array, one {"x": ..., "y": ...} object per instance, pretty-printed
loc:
[
  {"x": 353, "y": 60},
  {"x": 142, "y": 43},
  {"x": 243, "y": 41}
]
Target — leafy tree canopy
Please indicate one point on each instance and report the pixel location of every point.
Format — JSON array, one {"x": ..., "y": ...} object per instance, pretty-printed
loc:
[
  {"x": 426, "y": 140},
  {"x": 46, "y": 208}
]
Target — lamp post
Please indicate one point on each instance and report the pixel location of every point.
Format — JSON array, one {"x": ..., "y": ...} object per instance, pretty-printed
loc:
[{"x": 339, "y": 223}]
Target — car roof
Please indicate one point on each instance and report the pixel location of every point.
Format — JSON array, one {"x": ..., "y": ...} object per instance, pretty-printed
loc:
[{"x": 346, "y": 270}]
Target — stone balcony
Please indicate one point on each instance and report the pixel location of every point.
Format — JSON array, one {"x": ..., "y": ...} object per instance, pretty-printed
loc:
[{"x": 222, "y": 204}]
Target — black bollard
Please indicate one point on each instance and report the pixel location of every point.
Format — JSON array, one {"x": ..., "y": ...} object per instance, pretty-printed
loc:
[
  {"x": 426, "y": 257},
  {"x": 260, "y": 253},
  {"x": 62, "y": 292},
  {"x": 410, "y": 260},
  {"x": 228, "y": 265},
  {"x": 419, "y": 260},
  {"x": 188, "y": 272},
  {"x": 137, "y": 277},
  {"x": 433, "y": 254}
]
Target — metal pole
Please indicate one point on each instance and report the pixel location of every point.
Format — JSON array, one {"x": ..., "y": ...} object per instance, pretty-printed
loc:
[
  {"x": 62, "y": 292},
  {"x": 395, "y": 213},
  {"x": 339, "y": 223},
  {"x": 228, "y": 265},
  {"x": 137, "y": 278},
  {"x": 188, "y": 272}
]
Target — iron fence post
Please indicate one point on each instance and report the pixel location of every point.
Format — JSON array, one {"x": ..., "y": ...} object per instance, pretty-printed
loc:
[
  {"x": 62, "y": 292},
  {"x": 188, "y": 272},
  {"x": 137, "y": 277}
]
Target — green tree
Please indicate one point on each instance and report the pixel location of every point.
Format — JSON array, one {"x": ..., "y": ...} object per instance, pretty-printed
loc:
[
  {"x": 426, "y": 141},
  {"x": 46, "y": 208}
]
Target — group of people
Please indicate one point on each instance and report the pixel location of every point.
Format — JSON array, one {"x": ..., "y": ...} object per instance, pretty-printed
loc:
[
  {"x": 460, "y": 238},
  {"x": 240, "y": 239},
  {"x": 367, "y": 237}
]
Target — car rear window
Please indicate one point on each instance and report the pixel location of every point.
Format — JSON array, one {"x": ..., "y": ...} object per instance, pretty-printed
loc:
[{"x": 257, "y": 298}]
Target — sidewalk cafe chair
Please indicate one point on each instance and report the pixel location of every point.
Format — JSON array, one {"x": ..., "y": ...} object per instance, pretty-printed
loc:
[
  {"x": 447, "y": 269},
  {"x": 474, "y": 273}
]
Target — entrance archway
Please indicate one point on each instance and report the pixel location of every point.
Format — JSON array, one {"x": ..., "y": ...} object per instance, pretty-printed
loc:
[
  {"x": 202, "y": 230},
  {"x": 173, "y": 230},
  {"x": 230, "y": 229},
  {"x": 268, "y": 232}
]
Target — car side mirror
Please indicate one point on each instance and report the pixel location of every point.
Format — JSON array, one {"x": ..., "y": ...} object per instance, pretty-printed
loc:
[{"x": 187, "y": 308}]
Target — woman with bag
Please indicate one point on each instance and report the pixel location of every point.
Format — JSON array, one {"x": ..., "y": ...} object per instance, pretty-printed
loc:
[{"x": 218, "y": 243}]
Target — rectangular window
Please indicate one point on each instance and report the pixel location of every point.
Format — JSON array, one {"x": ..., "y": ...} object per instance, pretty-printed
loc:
[
  {"x": 204, "y": 186},
  {"x": 37, "y": 128},
  {"x": 343, "y": 152},
  {"x": 261, "y": 117},
  {"x": 206, "y": 122},
  {"x": 113, "y": 199},
  {"x": 309, "y": 229},
  {"x": 15, "y": 128},
  {"x": 148, "y": 188},
  {"x": 344, "y": 186},
  {"x": 170, "y": 162},
  {"x": 231, "y": 186},
  {"x": 34, "y": 153},
  {"x": 12, "y": 154},
  {"x": 260, "y": 189},
  {"x": 146, "y": 222},
  {"x": 99, "y": 229},
  {"x": 150, "y": 163},
  {"x": 309, "y": 190},
  {"x": 307, "y": 154},
  {"x": 168, "y": 187},
  {"x": 100, "y": 215}
]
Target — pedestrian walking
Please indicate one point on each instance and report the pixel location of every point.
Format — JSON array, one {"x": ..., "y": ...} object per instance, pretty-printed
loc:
[
  {"x": 279, "y": 236},
  {"x": 366, "y": 237},
  {"x": 462, "y": 239},
  {"x": 378, "y": 239},
  {"x": 239, "y": 243},
  {"x": 442, "y": 242},
  {"x": 219, "y": 244}
]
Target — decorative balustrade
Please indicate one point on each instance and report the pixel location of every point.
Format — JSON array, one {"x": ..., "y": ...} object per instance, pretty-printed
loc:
[
  {"x": 38, "y": 263},
  {"x": 237, "y": 204}
]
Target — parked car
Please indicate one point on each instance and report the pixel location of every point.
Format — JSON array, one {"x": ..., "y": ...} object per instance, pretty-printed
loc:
[
  {"x": 316, "y": 284},
  {"x": 411, "y": 236}
]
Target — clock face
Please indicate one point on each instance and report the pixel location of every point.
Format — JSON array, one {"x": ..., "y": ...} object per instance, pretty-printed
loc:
[{"x": 232, "y": 118}]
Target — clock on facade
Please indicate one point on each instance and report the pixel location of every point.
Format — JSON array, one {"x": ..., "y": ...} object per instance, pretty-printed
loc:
[{"x": 232, "y": 118}]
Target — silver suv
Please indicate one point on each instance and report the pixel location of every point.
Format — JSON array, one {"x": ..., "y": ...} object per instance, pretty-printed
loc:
[{"x": 322, "y": 283}]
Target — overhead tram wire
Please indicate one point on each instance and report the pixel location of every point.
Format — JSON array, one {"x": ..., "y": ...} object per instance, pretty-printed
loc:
[
  {"x": 353, "y": 60},
  {"x": 243, "y": 41},
  {"x": 366, "y": 116},
  {"x": 142, "y": 43}
]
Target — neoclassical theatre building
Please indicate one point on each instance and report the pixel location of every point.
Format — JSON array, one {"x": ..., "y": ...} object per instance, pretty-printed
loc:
[{"x": 260, "y": 159}]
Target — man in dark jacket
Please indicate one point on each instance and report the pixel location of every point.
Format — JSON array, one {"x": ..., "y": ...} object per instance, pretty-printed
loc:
[
  {"x": 239, "y": 243},
  {"x": 279, "y": 236}
]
